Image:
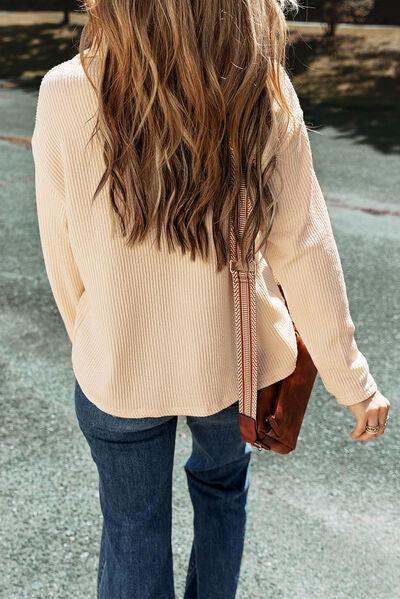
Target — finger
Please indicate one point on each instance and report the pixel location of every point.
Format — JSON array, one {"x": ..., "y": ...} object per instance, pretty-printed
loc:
[
  {"x": 371, "y": 418},
  {"x": 382, "y": 414},
  {"x": 359, "y": 427},
  {"x": 370, "y": 435},
  {"x": 382, "y": 417},
  {"x": 366, "y": 436}
]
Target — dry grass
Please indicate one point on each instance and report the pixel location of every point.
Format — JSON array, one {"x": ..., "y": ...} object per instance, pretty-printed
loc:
[
  {"x": 15, "y": 18},
  {"x": 360, "y": 68},
  {"x": 33, "y": 42}
]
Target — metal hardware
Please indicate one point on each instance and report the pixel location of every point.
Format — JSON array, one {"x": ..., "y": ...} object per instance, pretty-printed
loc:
[
  {"x": 237, "y": 266},
  {"x": 259, "y": 447}
]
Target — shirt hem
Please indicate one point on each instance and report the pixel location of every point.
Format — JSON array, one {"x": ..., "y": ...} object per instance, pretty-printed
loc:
[
  {"x": 207, "y": 410},
  {"x": 193, "y": 410}
]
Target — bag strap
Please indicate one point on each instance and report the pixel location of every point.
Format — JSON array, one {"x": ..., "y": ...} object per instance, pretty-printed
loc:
[{"x": 244, "y": 295}]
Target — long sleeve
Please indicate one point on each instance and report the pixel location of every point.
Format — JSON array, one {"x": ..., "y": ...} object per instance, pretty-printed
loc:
[
  {"x": 62, "y": 271},
  {"x": 304, "y": 258}
]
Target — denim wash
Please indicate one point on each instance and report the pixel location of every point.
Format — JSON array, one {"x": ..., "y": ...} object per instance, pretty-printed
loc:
[{"x": 134, "y": 459}]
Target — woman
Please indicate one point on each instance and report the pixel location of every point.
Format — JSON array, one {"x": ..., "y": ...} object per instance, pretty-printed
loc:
[{"x": 133, "y": 137}]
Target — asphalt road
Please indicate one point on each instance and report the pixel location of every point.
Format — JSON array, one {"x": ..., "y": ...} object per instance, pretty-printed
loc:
[{"x": 322, "y": 522}]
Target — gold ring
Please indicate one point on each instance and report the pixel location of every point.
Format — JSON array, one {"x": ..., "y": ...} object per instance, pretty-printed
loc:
[{"x": 372, "y": 429}]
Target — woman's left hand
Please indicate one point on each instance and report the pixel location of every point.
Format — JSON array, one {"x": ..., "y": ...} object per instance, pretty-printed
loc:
[{"x": 373, "y": 412}]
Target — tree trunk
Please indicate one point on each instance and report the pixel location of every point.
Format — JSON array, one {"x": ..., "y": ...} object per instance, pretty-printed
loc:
[
  {"x": 332, "y": 20},
  {"x": 331, "y": 27},
  {"x": 65, "y": 20}
]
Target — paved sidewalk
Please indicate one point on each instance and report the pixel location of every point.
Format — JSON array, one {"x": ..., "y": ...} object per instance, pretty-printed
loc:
[{"x": 322, "y": 522}]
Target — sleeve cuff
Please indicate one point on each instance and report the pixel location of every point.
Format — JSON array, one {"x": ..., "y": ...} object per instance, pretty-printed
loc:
[{"x": 358, "y": 395}]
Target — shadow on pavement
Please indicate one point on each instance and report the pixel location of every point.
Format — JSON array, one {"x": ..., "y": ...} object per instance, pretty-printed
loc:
[
  {"x": 351, "y": 86},
  {"x": 29, "y": 51},
  {"x": 380, "y": 129}
]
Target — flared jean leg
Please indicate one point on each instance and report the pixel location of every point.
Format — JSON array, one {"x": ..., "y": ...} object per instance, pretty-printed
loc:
[
  {"x": 134, "y": 459},
  {"x": 218, "y": 477}
]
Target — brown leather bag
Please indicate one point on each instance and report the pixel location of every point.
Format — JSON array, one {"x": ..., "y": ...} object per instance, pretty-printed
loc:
[
  {"x": 282, "y": 405},
  {"x": 270, "y": 418}
]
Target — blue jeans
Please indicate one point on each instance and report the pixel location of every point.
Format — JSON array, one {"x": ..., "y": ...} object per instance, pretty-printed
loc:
[{"x": 134, "y": 459}]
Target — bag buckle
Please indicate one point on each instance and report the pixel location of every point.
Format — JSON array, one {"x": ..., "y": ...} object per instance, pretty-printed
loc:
[
  {"x": 236, "y": 266},
  {"x": 259, "y": 447}
]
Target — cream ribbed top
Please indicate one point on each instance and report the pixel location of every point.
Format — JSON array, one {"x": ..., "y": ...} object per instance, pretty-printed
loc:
[{"x": 152, "y": 333}]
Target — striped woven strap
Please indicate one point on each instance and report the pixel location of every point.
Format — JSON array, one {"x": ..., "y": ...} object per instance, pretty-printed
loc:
[{"x": 244, "y": 295}]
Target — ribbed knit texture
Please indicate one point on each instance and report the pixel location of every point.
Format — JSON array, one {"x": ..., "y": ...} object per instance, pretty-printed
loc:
[{"x": 152, "y": 332}]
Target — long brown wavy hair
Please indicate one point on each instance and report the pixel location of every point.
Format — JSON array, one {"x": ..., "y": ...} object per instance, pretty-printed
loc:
[{"x": 186, "y": 88}]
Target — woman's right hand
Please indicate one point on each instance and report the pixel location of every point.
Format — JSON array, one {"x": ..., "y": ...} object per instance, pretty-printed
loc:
[{"x": 372, "y": 411}]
